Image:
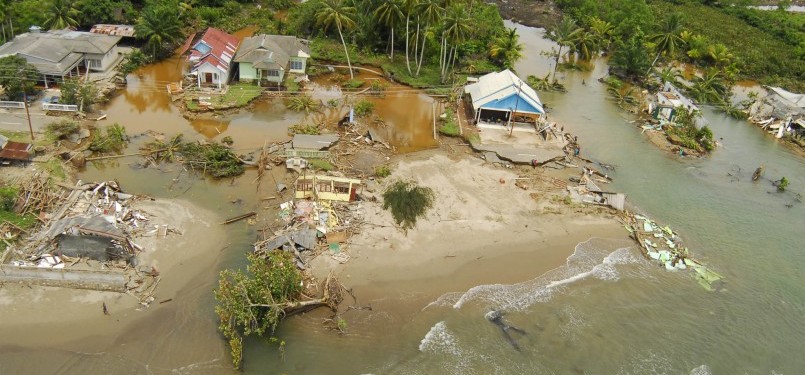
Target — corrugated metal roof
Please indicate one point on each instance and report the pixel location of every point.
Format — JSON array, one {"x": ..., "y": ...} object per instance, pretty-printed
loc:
[
  {"x": 16, "y": 151},
  {"x": 57, "y": 51},
  {"x": 220, "y": 44},
  {"x": 500, "y": 86},
  {"x": 117, "y": 30}
]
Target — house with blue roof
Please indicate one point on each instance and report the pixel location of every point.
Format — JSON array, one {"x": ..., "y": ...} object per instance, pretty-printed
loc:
[{"x": 502, "y": 98}]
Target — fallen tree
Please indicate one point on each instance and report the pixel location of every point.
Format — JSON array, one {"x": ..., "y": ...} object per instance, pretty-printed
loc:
[{"x": 254, "y": 302}]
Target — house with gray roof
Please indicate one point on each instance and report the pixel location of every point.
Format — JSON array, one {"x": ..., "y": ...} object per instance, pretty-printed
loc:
[
  {"x": 63, "y": 53},
  {"x": 267, "y": 58},
  {"x": 502, "y": 97}
]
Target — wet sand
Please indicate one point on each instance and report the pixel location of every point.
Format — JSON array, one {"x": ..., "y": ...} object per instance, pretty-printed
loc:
[
  {"x": 66, "y": 319},
  {"x": 450, "y": 248}
]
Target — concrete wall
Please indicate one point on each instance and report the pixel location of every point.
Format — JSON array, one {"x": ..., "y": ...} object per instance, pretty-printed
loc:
[
  {"x": 78, "y": 279},
  {"x": 247, "y": 72}
]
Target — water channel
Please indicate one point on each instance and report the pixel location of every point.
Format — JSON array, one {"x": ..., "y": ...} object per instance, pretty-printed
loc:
[{"x": 607, "y": 311}]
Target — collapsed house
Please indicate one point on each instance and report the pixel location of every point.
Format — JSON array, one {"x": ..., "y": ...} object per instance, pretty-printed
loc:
[
  {"x": 667, "y": 103},
  {"x": 87, "y": 242},
  {"x": 780, "y": 112}
]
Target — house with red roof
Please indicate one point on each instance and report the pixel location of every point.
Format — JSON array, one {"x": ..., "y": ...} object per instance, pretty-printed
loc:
[{"x": 209, "y": 55}]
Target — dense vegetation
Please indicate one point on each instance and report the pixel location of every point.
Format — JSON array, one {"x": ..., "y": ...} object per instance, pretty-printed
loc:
[{"x": 644, "y": 34}]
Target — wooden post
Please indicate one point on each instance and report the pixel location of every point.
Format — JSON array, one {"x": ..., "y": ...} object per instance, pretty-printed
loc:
[
  {"x": 27, "y": 113},
  {"x": 433, "y": 106}
]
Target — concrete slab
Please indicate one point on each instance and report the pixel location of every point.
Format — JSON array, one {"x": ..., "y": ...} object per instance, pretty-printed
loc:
[{"x": 520, "y": 147}]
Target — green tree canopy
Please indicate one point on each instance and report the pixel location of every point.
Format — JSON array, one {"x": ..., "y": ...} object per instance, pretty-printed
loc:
[
  {"x": 160, "y": 26},
  {"x": 61, "y": 14},
  {"x": 17, "y": 76}
]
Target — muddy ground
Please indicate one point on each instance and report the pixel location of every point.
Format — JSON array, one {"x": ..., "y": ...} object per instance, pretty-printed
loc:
[{"x": 535, "y": 13}]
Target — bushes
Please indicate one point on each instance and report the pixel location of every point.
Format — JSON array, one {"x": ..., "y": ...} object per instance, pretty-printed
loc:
[
  {"x": 302, "y": 103},
  {"x": 364, "y": 108},
  {"x": 8, "y": 196},
  {"x": 112, "y": 138},
  {"x": 450, "y": 126},
  {"x": 61, "y": 129},
  {"x": 382, "y": 171},
  {"x": 407, "y": 202}
]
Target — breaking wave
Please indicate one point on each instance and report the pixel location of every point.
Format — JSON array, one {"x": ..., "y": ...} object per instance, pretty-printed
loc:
[
  {"x": 439, "y": 339},
  {"x": 591, "y": 259}
]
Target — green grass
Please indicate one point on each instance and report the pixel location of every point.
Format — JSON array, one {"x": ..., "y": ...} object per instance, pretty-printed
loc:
[
  {"x": 450, "y": 126},
  {"x": 238, "y": 95},
  {"x": 321, "y": 164},
  {"x": 55, "y": 167}
]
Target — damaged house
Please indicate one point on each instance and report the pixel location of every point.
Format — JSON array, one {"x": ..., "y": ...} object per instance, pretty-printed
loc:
[
  {"x": 780, "y": 112},
  {"x": 209, "y": 55},
  {"x": 268, "y": 58},
  {"x": 500, "y": 98}
]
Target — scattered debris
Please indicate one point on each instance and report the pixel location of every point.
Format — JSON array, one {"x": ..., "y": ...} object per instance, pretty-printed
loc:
[{"x": 239, "y": 218}]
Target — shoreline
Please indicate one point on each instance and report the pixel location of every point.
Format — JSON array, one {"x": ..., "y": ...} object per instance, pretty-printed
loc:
[{"x": 31, "y": 313}]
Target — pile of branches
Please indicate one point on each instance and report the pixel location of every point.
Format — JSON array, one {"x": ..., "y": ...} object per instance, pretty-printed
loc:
[{"x": 214, "y": 159}]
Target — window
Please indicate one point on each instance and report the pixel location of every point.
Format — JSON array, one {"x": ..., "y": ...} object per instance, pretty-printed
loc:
[
  {"x": 272, "y": 73},
  {"x": 94, "y": 63},
  {"x": 297, "y": 65}
]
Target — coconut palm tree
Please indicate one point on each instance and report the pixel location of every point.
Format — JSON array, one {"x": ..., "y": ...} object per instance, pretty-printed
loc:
[
  {"x": 602, "y": 32},
  {"x": 564, "y": 34},
  {"x": 337, "y": 13},
  {"x": 61, "y": 14},
  {"x": 709, "y": 88},
  {"x": 670, "y": 75},
  {"x": 720, "y": 54},
  {"x": 456, "y": 27},
  {"x": 667, "y": 40},
  {"x": 410, "y": 8},
  {"x": 430, "y": 11},
  {"x": 390, "y": 14},
  {"x": 507, "y": 48},
  {"x": 585, "y": 45},
  {"x": 159, "y": 25}
]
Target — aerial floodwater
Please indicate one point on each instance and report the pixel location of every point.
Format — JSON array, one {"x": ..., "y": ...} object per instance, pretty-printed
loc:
[{"x": 606, "y": 310}]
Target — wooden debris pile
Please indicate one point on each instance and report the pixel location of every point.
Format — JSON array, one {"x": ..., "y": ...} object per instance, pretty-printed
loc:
[
  {"x": 90, "y": 230},
  {"x": 663, "y": 245}
]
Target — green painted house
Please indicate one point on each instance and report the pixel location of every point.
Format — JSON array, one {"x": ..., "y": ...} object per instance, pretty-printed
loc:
[{"x": 266, "y": 59}]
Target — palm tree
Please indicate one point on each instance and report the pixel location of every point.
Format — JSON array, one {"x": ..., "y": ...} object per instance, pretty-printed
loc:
[
  {"x": 507, "y": 48},
  {"x": 61, "y": 14},
  {"x": 602, "y": 32},
  {"x": 720, "y": 54},
  {"x": 709, "y": 88},
  {"x": 390, "y": 13},
  {"x": 585, "y": 45},
  {"x": 564, "y": 34},
  {"x": 670, "y": 75},
  {"x": 430, "y": 11},
  {"x": 336, "y": 12},
  {"x": 456, "y": 27},
  {"x": 667, "y": 40},
  {"x": 159, "y": 25},
  {"x": 409, "y": 7}
]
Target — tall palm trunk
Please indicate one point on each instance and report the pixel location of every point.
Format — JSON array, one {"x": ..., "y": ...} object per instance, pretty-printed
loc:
[
  {"x": 407, "y": 37},
  {"x": 421, "y": 53},
  {"x": 556, "y": 66},
  {"x": 346, "y": 52},
  {"x": 392, "y": 43},
  {"x": 653, "y": 62}
]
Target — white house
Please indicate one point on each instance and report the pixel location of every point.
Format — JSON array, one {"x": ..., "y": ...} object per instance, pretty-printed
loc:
[
  {"x": 498, "y": 97},
  {"x": 269, "y": 57},
  {"x": 62, "y": 53},
  {"x": 210, "y": 56}
]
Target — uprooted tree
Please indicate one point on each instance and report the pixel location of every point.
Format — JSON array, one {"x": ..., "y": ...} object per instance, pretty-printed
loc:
[
  {"x": 407, "y": 202},
  {"x": 254, "y": 302}
]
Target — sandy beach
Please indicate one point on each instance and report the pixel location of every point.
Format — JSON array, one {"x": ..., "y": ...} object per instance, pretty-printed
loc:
[
  {"x": 36, "y": 315},
  {"x": 477, "y": 208}
]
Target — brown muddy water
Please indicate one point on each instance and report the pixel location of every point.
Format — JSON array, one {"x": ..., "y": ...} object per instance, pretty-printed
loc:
[{"x": 607, "y": 311}]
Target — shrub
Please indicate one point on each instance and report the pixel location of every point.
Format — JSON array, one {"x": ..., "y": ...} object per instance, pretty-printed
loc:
[
  {"x": 8, "y": 196},
  {"x": 364, "y": 108},
  {"x": 352, "y": 84},
  {"x": 61, "y": 129},
  {"x": 782, "y": 184},
  {"x": 450, "y": 126},
  {"x": 133, "y": 61},
  {"x": 110, "y": 138},
  {"x": 407, "y": 202},
  {"x": 304, "y": 129},
  {"x": 382, "y": 171},
  {"x": 302, "y": 103},
  {"x": 321, "y": 164}
]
